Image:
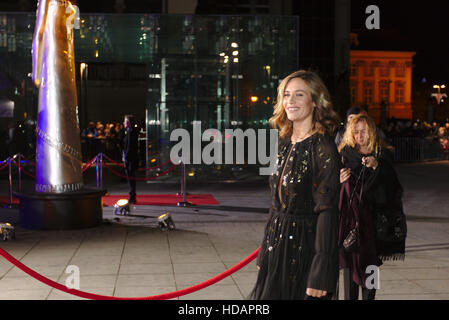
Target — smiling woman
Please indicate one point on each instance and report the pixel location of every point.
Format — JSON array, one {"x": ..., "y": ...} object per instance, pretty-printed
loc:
[
  {"x": 298, "y": 258},
  {"x": 310, "y": 91},
  {"x": 298, "y": 102}
]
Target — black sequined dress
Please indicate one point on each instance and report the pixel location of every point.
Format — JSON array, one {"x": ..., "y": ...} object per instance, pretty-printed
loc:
[{"x": 299, "y": 249}]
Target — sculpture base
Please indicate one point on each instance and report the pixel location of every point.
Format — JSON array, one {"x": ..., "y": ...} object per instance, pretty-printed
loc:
[{"x": 61, "y": 211}]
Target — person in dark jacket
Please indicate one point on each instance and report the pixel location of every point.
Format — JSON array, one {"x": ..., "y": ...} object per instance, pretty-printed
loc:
[
  {"x": 371, "y": 203},
  {"x": 351, "y": 113},
  {"x": 130, "y": 154}
]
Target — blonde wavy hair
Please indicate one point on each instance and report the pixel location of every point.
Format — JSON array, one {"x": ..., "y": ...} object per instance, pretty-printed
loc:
[
  {"x": 374, "y": 142},
  {"x": 325, "y": 119}
]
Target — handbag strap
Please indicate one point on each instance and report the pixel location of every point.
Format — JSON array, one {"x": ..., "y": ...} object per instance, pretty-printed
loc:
[{"x": 361, "y": 175}]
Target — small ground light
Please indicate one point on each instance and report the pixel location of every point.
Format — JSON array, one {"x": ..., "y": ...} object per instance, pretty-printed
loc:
[
  {"x": 166, "y": 222},
  {"x": 7, "y": 231},
  {"x": 121, "y": 207}
]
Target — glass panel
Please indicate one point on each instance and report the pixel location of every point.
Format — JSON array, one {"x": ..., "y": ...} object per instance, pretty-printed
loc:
[{"x": 220, "y": 70}]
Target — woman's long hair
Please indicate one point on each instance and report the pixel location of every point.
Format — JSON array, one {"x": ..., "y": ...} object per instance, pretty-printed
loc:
[
  {"x": 324, "y": 117},
  {"x": 374, "y": 142}
]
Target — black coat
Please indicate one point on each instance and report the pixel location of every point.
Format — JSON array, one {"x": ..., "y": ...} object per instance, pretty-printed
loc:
[
  {"x": 130, "y": 146},
  {"x": 382, "y": 196}
]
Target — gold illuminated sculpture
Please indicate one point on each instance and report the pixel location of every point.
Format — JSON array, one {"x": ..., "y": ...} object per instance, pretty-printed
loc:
[{"x": 58, "y": 149}]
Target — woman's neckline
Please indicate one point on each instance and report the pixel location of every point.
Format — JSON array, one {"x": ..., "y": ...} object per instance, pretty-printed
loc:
[
  {"x": 295, "y": 142},
  {"x": 364, "y": 153}
]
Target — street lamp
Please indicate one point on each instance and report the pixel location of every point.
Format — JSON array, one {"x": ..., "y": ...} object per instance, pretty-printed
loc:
[
  {"x": 230, "y": 57},
  {"x": 439, "y": 96}
]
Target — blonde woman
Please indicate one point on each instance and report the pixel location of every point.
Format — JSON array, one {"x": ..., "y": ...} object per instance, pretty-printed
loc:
[
  {"x": 298, "y": 258},
  {"x": 371, "y": 202}
]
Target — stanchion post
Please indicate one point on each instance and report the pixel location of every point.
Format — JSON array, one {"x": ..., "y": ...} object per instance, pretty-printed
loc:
[
  {"x": 10, "y": 181},
  {"x": 97, "y": 171},
  {"x": 183, "y": 179},
  {"x": 101, "y": 170},
  {"x": 184, "y": 203},
  {"x": 19, "y": 170}
]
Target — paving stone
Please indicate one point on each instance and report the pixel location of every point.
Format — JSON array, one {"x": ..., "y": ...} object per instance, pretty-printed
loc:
[{"x": 134, "y": 258}]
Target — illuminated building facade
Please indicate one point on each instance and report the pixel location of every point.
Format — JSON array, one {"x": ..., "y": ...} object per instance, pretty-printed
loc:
[{"x": 381, "y": 83}]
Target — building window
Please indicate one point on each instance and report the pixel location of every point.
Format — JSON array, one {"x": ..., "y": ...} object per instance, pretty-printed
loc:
[
  {"x": 400, "y": 70},
  {"x": 384, "y": 69},
  {"x": 369, "y": 70},
  {"x": 399, "y": 92},
  {"x": 384, "y": 91},
  {"x": 353, "y": 69},
  {"x": 353, "y": 93},
  {"x": 368, "y": 92}
]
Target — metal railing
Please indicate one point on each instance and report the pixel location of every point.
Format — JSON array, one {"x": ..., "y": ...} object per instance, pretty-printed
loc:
[{"x": 418, "y": 149}]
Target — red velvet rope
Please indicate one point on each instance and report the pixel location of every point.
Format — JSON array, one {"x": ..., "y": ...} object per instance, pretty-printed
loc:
[
  {"x": 89, "y": 164},
  {"x": 29, "y": 174},
  {"x": 22, "y": 169},
  {"x": 26, "y": 172},
  {"x": 28, "y": 160},
  {"x": 138, "y": 178},
  {"x": 93, "y": 296},
  {"x": 155, "y": 167},
  {"x": 113, "y": 161},
  {"x": 1, "y": 168},
  {"x": 140, "y": 169}
]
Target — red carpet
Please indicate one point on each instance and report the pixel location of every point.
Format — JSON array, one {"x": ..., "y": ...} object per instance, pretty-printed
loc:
[
  {"x": 149, "y": 199},
  {"x": 163, "y": 199},
  {"x": 5, "y": 200}
]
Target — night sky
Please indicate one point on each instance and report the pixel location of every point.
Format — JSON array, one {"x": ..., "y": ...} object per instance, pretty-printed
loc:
[{"x": 420, "y": 26}]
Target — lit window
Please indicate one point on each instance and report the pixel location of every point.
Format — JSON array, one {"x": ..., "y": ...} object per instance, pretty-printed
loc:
[
  {"x": 384, "y": 91},
  {"x": 353, "y": 91},
  {"x": 353, "y": 69},
  {"x": 368, "y": 92},
  {"x": 369, "y": 70},
  {"x": 399, "y": 92},
  {"x": 400, "y": 70},
  {"x": 384, "y": 69}
]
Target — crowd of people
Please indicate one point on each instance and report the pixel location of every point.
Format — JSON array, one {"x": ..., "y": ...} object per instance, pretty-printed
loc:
[
  {"x": 435, "y": 131},
  {"x": 98, "y": 137},
  {"x": 421, "y": 129}
]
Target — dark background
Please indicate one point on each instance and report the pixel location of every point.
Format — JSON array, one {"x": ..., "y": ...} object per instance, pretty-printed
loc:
[{"x": 420, "y": 26}]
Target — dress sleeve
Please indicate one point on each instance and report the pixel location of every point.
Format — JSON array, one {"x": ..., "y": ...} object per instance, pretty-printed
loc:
[{"x": 325, "y": 192}]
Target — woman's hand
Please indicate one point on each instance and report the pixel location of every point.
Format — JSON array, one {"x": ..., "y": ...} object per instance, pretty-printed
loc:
[
  {"x": 315, "y": 293},
  {"x": 370, "y": 162},
  {"x": 345, "y": 173}
]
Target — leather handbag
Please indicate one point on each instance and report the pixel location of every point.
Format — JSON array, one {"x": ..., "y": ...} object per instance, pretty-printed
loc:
[{"x": 350, "y": 244}]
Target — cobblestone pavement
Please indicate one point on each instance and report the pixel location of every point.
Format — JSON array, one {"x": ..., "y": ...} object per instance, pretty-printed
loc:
[{"x": 132, "y": 257}]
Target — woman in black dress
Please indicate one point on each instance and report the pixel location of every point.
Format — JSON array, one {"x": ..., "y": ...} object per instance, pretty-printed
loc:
[
  {"x": 298, "y": 258},
  {"x": 371, "y": 200}
]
